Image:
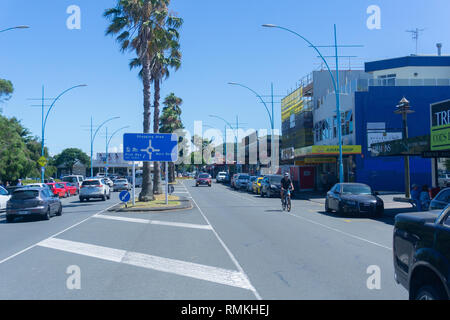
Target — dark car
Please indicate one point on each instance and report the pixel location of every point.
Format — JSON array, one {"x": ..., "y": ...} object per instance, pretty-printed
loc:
[
  {"x": 241, "y": 181},
  {"x": 354, "y": 198},
  {"x": 33, "y": 202},
  {"x": 271, "y": 186},
  {"x": 422, "y": 254},
  {"x": 203, "y": 179},
  {"x": 441, "y": 201}
]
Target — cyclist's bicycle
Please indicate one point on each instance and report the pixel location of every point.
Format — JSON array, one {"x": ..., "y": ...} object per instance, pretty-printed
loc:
[{"x": 286, "y": 201}]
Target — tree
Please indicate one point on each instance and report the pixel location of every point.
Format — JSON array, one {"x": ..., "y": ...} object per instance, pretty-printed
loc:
[
  {"x": 166, "y": 54},
  {"x": 170, "y": 121},
  {"x": 69, "y": 157},
  {"x": 134, "y": 23},
  {"x": 6, "y": 90}
]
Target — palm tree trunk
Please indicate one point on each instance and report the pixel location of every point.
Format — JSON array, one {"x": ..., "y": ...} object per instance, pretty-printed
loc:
[
  {"x": 146, "y": 194},
  {"x": 157, "y": 188}
]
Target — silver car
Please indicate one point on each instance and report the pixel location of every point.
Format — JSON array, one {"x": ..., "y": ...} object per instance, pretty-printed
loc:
[
  {"x": 33, "y": 202},
  {"x": 121, "y": 184},
  {"x": 95, "y": 189}
]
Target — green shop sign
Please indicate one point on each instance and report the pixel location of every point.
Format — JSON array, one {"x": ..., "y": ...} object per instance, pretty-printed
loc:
[{"x": 440, "y": 126}]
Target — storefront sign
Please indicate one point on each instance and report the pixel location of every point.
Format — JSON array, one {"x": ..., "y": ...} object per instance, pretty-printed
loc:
[
  {"x": 414, "y": 146},
  {"x": 320, "y": 160},
  {"x": 440, "y": 126},
  {"x": 334, "y": 150},
  {"x": 381, "y": 136}
]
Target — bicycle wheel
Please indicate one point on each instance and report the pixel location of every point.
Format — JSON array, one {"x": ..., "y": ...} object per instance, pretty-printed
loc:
[{"x": 289, "y": 205}]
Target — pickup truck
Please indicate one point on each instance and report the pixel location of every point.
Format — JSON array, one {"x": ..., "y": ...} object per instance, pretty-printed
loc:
[{"x": 422, "y": 254}]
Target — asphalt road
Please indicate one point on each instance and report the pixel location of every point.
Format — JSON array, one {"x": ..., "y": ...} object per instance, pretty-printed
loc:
[{"x": 230, "y": 245}]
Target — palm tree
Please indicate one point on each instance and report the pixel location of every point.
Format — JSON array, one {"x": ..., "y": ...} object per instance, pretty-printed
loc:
[
  {"x": 135, "y": 23},
  {"x": 170, "y": 121},
  {"x": 166, "y": 54}
]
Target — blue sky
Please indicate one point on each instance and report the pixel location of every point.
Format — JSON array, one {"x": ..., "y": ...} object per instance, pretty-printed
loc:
[{"x": 221, "y": 41}]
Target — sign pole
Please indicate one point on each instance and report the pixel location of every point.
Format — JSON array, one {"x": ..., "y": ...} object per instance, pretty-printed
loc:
[
  {"x": 167, "y": 182},
  {"x": 134, "y": 183}
]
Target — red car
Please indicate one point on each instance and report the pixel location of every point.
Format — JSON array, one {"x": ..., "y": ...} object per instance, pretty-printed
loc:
[
  {"x": 203, "y": 179},
  {"x": 59, "y": 189},
  {"x": 70, "y": 187}
]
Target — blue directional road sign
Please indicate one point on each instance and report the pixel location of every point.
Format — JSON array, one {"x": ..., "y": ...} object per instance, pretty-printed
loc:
[
  {"x": 162, "y": 147},
  {"x": 125, "y": 196}
]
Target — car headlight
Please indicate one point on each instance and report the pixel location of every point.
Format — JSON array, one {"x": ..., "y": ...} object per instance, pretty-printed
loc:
[{"x": 273, "y": 186}]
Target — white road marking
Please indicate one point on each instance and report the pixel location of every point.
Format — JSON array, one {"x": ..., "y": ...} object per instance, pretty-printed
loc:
[
  {"x": 178, "y": 267},
  {"x": 55, "y": 235},
  {"x": 156, "y": 222},
  {"x": 341, "y": 232},
  {"x": 232, "y": 257}
]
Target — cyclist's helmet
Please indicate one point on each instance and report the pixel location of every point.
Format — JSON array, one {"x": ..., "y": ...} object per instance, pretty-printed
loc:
[{"x": 286, "y": 175}]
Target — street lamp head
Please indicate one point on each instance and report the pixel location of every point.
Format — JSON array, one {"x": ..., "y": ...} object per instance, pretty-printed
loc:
[
  {"x": 83, "y": 85},
  {"x": 22, "y": 27},
  {"x": 232, "y": 83},
  {"x": 269, "y": 25}
]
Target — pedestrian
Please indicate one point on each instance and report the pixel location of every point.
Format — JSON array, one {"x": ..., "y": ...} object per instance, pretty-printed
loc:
[
  {"x": 415, "y": 195},
  {"x": 425, "y": 198},
  {"x": 19, "y": 183}
]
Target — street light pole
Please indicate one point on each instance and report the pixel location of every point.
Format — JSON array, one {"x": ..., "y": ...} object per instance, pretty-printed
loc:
[
  {"x": 93, "y": 138},
  {"x": 404, "y": 109},
  {"x": 225, "y": 138},
  {"x": 108, "y": 141},
  {"x": 271, "y": 118},
  {"x": 336, "y": 89},
  {"x": 44, "y": 121}
]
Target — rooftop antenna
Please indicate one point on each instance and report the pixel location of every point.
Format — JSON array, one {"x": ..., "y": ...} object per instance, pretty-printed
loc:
[{"x": 415, "y": 36}]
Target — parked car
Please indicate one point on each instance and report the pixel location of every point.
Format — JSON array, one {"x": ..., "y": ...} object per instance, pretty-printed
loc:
[
  {"x": 59, "y": 189},
  {"x": 256, "y": 185},
  {"x": 354, "y": 198},
  {"x": 4, "y": 197},
  {"x": 441, "y": 201},
  {"x": 444, "y": 180},
  {"x": 37, "y": 185},
  {"x": 241, "y": 181},
  {"x": 33, "y": 202},
  {"x": 95, "y": 189},
  {"x": 221, "y": 177},
  {"x": 203, "y": 179},
  {"x": 233, "y": 180},
  {"x": 250, "y": 183},
  {"x": 271, "y": 186},
  {"x": 73, "y": 179},
  {"x": 121, "y": 184},
  {"x": 71, "y": 188},
  {"x": 422, "y": 254}
]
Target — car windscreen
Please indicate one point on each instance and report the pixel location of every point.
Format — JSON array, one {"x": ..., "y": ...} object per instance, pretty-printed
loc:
[
  {"x": 244, "y": 177},
  {"x": 69, "y": 179},
  {"x": 204, "y": 176},
  {"x": 59, "y": 186},
  {"x": 121, "y": 181},
  {"x": 276, "y": 180},
  {"x": 3, "y": 192},
  {"x": 25, "y": 194},
  {"x": 356, "y": 189},
  {"x": 91, "y": 183}
]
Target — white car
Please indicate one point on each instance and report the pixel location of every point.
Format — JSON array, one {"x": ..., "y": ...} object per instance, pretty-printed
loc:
[
  {"x": 95, "y": 189},
  {"x": 4, "y": 197}
]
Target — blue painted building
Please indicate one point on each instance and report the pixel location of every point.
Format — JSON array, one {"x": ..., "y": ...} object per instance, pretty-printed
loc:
[{"x": 423, "y": 80}]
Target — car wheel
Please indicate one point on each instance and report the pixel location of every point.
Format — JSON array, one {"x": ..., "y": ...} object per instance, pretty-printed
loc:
[
  {"x": 340, "y": 211},
  {"x": 327, "y": 208},
  {"x": 262, "y": 194},
  {"x": 379, "y": 213},
  {"x": 47, "y": 215},
  {"x": 104, "y": 197},
  {"x": 109, "y": 196},
  {"x": 10, "y": 219},
  {"x": 430, "y": 292},
  {"x": 59, "y": 213}
]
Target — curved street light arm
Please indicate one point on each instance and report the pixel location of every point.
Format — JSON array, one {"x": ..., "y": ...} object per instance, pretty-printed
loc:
[
  {"x": 313, "y": 46},
  {"x": 228, "y": 124},
  {"x": 260, "y": 98},
  {"x": 105, "y": 122},
  {"x": 56, "y": 99},
  {"x": 109, "y": 141}
]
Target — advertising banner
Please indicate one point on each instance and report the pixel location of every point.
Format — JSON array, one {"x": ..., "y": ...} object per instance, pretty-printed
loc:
[{"x": 440, "y": 126}]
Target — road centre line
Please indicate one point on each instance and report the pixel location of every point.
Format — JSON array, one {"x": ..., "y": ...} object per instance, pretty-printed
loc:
[
  {"x": 230, "y": 254},
  {"x": 182, "y": 268},
  {"x": 156, "y": 222}
]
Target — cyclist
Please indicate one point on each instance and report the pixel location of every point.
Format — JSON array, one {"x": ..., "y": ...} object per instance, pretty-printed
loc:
[{"x": 286, "y": 184}]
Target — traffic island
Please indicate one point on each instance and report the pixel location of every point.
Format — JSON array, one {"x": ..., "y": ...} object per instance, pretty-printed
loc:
[{"x": 159, "y": 204}]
